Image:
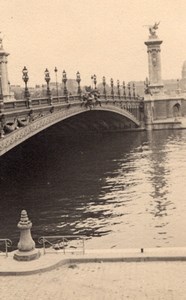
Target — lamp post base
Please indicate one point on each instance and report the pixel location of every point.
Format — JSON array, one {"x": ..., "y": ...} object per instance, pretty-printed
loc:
[{"x": 27, "y": 255}]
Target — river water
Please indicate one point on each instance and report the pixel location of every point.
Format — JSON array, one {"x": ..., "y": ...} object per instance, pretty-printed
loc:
[{"x": 120, "y": 190}]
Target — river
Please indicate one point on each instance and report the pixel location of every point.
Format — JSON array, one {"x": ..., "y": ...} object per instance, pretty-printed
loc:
[{"x": 121, "y": 190}]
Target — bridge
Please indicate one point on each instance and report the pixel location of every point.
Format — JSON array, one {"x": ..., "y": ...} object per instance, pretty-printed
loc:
[
  {"x": 22, "y": 119},
  {"x": 110, "y": 109}
]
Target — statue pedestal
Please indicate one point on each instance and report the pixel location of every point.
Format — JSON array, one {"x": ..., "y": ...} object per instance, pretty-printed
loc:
[{"x": 156, "y": 89}]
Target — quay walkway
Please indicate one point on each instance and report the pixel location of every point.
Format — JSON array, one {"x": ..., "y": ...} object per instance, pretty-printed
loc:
[
  {"x": 56, "y": 258},
  {"x": 114, "y": 274}
]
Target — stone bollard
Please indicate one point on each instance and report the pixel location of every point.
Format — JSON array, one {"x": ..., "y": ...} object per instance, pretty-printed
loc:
[{"x": 26, "y": 246}]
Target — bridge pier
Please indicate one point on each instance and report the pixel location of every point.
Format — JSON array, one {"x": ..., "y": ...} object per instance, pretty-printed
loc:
[
  {"x": 162, "y": 112},
  {"x": 160, "y": 109},
  {"x": 149, "y": 115}
]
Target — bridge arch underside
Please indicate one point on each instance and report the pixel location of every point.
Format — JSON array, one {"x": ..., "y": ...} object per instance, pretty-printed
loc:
[
  {"x": 92, "y": 122},
  {"x": 82, "y": 123}
]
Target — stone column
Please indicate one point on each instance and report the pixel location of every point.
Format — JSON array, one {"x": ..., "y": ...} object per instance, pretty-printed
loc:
[
  {"x": 154, "y": 64},
  {"x": 26, "y": 246},
  {"x": 154, "y": 86},
  {"x": 5, "y": 86}
]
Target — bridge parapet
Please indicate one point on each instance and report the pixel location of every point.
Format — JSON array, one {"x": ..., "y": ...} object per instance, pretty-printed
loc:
[{"x": 45, "y": 101}]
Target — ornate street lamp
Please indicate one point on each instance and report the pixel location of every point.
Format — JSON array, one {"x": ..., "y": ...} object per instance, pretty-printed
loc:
[
  {"x": 56, "y": 70},
  {"x": 64, "y": 79},
  {"x": 92, "y": 81},
  {"x": 118, "y": 88},
  {"x": 95, "y": 81},
  {"x": 104, "y": 84},
  {"x": 124, "y": 90},
  {"x": 134, "y": 90},
  {"x": 78, "y": 79},
  {"x": 112, "y": 87},
  {"x": 47, "y": 79},
  {"x": 25, "y": 79},
  {"x": 129, "y": 92}
]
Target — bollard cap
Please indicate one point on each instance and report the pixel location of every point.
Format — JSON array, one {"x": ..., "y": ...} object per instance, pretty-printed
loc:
[{"x": 24, "y": 222}]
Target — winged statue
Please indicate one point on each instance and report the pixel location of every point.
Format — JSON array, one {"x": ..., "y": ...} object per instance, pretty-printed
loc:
[{"x": 153, "y": 28}]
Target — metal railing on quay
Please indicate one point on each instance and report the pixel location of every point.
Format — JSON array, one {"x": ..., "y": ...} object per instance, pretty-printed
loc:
[
  {"x": 63, "y": 243},
  {"x": 7, "y": 243}
]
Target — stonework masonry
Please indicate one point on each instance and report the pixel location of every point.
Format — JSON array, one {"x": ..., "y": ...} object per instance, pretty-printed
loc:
[
  {"x": 4, "y": 82},
  {"x": 154, "y": 65}
]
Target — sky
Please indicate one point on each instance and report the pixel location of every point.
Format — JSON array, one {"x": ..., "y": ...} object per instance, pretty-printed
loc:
[{"x": 102, "y": 37}]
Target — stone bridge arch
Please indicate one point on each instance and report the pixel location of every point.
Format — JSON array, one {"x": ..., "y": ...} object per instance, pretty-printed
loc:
[{"x": 58, "y": 115}]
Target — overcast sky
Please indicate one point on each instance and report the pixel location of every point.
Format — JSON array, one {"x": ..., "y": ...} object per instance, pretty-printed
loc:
[{"x": 103, "y": 37}]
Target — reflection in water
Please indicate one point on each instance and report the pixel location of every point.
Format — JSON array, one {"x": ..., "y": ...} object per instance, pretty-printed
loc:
[{"x": 121, "y": 190}]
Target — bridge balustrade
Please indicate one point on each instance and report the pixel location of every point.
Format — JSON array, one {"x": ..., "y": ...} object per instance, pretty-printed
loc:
[
  {"x": 45, "y": 101},
  {"x": 13, "y": 105}
]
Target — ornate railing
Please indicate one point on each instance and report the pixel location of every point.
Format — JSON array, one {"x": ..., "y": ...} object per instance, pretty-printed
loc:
[
  {"x": 64, "y": 244},
  {"x": 45, "y": 101},
  {"x": 6, "y": 244}
]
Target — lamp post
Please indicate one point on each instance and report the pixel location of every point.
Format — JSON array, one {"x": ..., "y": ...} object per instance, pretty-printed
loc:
[
  {"x": 56, "y": 70},
  {"x": 124, "y": 90},
  {"x": 95, "y": 81},
  {"x": 92, "y": 81},
  {"x": 25, "y": 79},
  {"x": 47, "y": 79},
  {"x": 26, "y": 93},
  {"x": 64, "y": 79},
  {"x": 134, "y": 90},
  {"x": 112, "y": 87},
  {"x": 118, "y": 87},
  {"x": 129, "y": 92},
  {"x": 78, "y": 79},
  {"x": 104, "y": 89}
]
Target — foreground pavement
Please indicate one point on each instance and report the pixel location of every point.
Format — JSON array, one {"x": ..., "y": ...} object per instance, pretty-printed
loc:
[
  {"x": 100, "y": 274},
  {"x": 99, "y": 281},
  {"x": 53, "y": 259}
]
